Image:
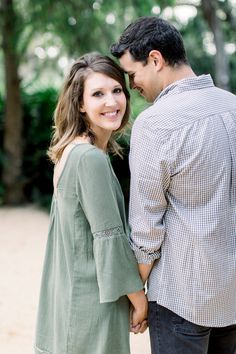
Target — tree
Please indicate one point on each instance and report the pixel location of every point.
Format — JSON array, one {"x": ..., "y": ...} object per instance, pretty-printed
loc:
[
  {"x": 17, "y": 32},
  {"x": 216, "y": 17},
  {"x": 12, "y": 168},
  {"x": 209, "y": 8},
  {"x": 93, "y": 25}
]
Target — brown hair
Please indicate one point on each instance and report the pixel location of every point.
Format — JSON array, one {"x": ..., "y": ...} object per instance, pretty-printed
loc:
[{"x": 69, "y": 121}]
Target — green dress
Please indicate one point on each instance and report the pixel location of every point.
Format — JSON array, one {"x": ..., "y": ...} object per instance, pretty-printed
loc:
[{"x": 89, "y": 266}]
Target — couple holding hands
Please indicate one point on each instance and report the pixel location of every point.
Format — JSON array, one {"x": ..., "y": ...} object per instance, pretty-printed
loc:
[{"x": 182, "y": 237}]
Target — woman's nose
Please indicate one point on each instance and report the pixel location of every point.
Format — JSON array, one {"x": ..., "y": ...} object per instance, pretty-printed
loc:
[{"x": 110, "y": 100}]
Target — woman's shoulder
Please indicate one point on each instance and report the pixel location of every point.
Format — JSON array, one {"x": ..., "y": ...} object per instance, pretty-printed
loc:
[
  {"x": 88, "y": 151},
  {"x": 87, "y": 155}
]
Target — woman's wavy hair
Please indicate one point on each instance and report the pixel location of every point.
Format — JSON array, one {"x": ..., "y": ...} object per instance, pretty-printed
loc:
[{"x": 69, "y": 122}]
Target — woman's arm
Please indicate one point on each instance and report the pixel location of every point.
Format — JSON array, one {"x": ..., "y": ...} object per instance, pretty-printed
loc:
[
  {"x": 138, "y": 312},
  {"x": 116, "y": 267}
]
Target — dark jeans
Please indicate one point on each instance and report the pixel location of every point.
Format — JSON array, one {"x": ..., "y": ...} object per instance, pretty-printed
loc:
[{"x": 171, "y": 334}]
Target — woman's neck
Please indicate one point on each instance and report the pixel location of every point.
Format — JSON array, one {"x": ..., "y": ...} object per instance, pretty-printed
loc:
[{"x": 99, "y": 143}]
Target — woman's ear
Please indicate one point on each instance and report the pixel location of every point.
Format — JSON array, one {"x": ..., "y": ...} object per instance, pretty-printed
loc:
[{"x": 82, "y": 110}]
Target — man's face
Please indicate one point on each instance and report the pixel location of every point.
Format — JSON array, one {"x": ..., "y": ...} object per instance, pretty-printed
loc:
[{"x": 141, "y": 77}]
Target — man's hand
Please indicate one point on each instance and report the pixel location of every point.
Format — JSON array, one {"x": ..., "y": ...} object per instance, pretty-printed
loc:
[{"x": 138, "y": 319}]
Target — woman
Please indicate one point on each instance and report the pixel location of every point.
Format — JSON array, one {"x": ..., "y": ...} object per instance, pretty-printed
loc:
[{"x": 89, "y": 267}]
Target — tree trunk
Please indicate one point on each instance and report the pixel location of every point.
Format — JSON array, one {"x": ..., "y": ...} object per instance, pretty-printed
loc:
[
  {"x": 12, "y": 140},
  {"x": 209, "y": 8}
]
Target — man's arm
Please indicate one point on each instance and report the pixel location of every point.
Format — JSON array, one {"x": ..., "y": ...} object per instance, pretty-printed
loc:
[
  {"x": 150, "y": 179},
  {"x": 145, "y": 270}
]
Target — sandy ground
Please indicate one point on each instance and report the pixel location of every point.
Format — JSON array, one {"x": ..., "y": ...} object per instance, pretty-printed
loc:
[{"x": 23, "y": 233}]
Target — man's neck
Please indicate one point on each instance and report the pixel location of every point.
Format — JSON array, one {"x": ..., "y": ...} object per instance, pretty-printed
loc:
[{"x": 173, "y": 74}]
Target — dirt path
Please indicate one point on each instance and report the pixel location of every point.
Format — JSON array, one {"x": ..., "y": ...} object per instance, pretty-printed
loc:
[{"x": 23, "y": 233}]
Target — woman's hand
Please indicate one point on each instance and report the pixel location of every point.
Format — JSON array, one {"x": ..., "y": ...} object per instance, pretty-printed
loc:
[
  {"x": 138, "y": 321},
  {"x": 138, "y": 312}
]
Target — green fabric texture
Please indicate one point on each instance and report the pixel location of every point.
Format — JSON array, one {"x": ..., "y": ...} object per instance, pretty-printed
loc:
[{"x": 89, "y": 265}]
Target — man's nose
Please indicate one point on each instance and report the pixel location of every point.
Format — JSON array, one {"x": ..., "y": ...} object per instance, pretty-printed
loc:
[{"x": 131, "y": 83}]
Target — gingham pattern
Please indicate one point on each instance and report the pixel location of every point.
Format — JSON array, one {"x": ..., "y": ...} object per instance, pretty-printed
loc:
[{"x": 183, "y": 200}]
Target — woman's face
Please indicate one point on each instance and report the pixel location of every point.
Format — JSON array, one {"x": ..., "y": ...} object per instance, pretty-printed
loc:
[{"x": 104, "y": 103}]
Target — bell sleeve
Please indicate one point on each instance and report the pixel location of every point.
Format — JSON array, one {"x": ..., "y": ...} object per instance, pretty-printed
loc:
[{"x": 116, "y": 267}]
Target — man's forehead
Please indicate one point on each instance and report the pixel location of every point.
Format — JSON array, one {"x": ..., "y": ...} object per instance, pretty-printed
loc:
[{"x": 127, "y": 62}]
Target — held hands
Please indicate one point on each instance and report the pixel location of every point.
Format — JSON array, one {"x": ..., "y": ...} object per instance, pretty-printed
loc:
[
  {"x": 138, "y": 317},
  {"x": 139, "y": 307}
]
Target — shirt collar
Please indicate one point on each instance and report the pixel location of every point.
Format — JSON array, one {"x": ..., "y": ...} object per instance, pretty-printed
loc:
[{"x": 190, "y": 83}]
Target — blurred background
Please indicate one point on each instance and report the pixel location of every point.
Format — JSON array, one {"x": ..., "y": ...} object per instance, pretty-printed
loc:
[{"x": 39, "y": 40}]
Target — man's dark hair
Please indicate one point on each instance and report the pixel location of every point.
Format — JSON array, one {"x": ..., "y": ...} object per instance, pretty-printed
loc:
[{"x": 151, "y": 33}]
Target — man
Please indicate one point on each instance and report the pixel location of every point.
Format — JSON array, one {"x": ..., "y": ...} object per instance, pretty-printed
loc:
[{"x": 183, "y": 193}]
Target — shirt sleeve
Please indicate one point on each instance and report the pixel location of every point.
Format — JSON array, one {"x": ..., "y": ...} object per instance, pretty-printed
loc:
[
  {"x": 116, "y": 266},
  {"x": 150, "y": 178}
]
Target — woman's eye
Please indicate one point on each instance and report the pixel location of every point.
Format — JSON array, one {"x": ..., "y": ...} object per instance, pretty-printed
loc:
[
  {"x": 118, "y": 90},
  {"x": 97, "y": 94}
]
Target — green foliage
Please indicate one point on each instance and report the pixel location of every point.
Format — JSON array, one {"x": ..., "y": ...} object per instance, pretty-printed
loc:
[
  {"x": 75, "y": 27},
  {"x": 232, "y": 65},
  {"x": 138, "y": 104},
  {"x": 199, "y": 59},
  {"x": 37, "y": 169}
]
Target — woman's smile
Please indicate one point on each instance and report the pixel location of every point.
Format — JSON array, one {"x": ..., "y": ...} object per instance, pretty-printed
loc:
[
  {"x": 112, "y": 115},
  {"x": 104, "y": 104}
]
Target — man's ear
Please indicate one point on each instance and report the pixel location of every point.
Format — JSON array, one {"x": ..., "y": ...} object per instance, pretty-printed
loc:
[{"x": 157, "y": 59}]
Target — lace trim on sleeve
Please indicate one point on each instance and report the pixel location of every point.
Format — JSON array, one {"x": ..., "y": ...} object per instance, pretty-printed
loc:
[{"x": 109, "y": 233}]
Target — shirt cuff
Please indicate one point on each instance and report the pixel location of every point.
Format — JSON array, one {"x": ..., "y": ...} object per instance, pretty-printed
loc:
[{"x": 145, "y": 256}]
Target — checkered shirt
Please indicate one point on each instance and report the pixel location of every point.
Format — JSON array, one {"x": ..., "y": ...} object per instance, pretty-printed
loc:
[{"x": 183, "y": 200}]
